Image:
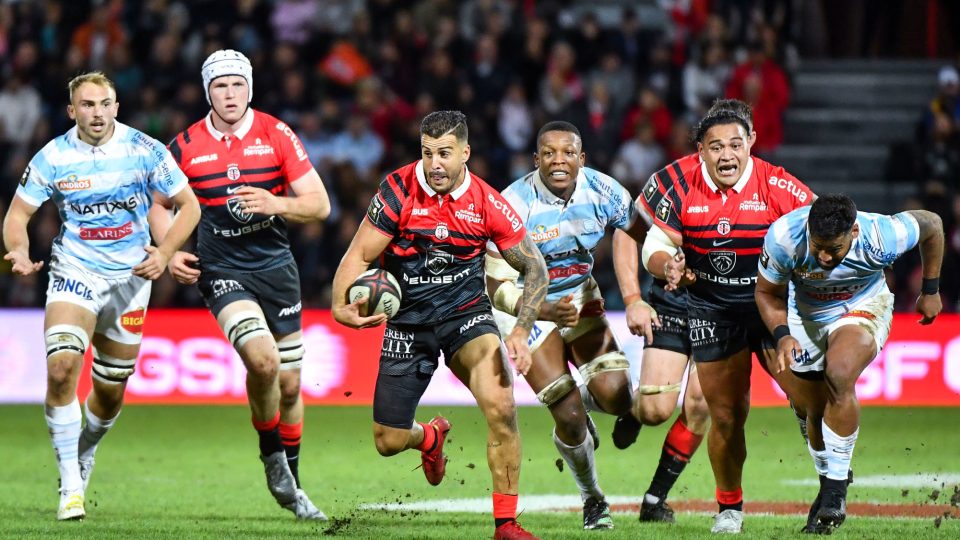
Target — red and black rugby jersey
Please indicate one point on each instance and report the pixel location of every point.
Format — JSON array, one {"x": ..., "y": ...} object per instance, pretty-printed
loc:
[
  {"x": 668, "y": 302},
  {"x": 723, "y": 231},
  {"x": 439, "y": 242},
  {"x": 263, "y": 153}
]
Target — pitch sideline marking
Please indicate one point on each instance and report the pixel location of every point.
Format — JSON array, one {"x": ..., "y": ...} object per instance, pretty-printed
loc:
[{"x": 918, "y": 480}]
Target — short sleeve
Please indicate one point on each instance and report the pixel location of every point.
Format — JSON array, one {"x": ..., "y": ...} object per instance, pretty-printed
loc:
[
  {"x": 386, "y": 206},
  {"x": 621, "y": 212},
  {"x": 776, "y": 263},
  {"x": 662, "y": 201},
  {"x": 296, "y": 162},
  {"x": 792, "y": 193},
  {"x": 35, "y": 186},
  {"x": 165, "y": 175},
  {"x": 504, "y": 225},
  {"x": 891, "y": 237}
]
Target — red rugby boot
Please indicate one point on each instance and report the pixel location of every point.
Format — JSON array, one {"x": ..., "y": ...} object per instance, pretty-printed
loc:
[{"x": 434, "y": 461}]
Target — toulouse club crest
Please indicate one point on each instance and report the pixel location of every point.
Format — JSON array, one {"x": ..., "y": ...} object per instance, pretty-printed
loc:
[
  {"x": 233, "y": 206},
  {"x": 723, "y": 261},
  {"x": 441, "y": 232},
  {"x": 438, "y": 261},
  {"x": 233, "y": 173},
  {"x": 723, "y": 227}
]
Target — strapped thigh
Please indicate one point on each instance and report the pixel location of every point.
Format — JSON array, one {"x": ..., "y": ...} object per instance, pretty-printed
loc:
[
  {"x": 556, "y": 390},
  {"x": 611, "y": 361},
  {"x": 66, "y": 338},
  {"x": 244, "y": 326}
]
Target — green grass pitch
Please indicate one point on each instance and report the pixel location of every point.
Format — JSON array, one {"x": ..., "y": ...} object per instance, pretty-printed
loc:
[{"x": 192, "y": 472}]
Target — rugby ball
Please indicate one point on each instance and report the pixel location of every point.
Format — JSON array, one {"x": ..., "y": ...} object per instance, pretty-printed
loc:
[{"x": 381, "y": 290}]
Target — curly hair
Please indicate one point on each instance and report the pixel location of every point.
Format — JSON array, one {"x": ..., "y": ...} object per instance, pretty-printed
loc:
[{"x": 832, "y": 216}]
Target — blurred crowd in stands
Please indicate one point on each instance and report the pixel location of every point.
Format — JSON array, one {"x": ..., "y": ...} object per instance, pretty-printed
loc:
[{"x": 354, "y": 78}]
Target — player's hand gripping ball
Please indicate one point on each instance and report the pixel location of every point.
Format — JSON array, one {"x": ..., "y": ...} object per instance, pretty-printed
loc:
[{"x": 381, "y": 290}]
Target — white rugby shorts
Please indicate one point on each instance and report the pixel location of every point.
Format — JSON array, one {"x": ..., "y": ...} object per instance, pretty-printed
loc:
[
  {"x": 120, "y": 304},
  {"x": 874, "y": 314},
  {"x": 587, "y": 295}
]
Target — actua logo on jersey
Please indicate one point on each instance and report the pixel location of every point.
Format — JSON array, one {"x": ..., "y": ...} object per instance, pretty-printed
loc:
[
  {"x": 791, "y": 188},
  {"x": 507, "y": 212}
]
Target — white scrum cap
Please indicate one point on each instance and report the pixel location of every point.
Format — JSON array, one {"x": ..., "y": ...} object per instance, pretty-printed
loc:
[{"x": 226, "y": 62}]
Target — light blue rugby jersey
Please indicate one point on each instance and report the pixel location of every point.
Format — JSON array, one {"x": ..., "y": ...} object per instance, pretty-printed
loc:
[
  {"x": 568, "y": 232},
  {"x": 103, "y": 194},
  {"x": 823, "y": 296}
]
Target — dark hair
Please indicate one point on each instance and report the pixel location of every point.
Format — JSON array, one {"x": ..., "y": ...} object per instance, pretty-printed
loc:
[
  {"x": 832, "y": 216},
  {"x": 440, "y": 123},
  {"x": 718, "y": 118},
  {"x": 558, "y": 125},
  {"x": 737, "y": 107}
]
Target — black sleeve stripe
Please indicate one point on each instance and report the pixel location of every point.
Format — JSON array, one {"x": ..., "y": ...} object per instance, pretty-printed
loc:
[
  {"x": 666, "y": 183},
  {"x": 680, "y": 177},
  {"x": 176, "y": 151},
  {"x": 399, "y": 181},
  {"x": 390, "y": 197},
  {"x": 186, "y": 136}
]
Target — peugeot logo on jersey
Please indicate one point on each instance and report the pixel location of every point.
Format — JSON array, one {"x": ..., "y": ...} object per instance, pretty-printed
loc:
[
  {"x": 723, "y": 227},
  {"x": 438, "y": 261},
  {"x": 233, "y": 205},
  {"x": 723, "y": 261},
  {"x": 233, "y": 172},
  {"x": 441, "y": 233}
]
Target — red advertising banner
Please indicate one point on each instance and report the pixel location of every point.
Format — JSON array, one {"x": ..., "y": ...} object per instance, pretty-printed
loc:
[{"x": 185, "y": 359}]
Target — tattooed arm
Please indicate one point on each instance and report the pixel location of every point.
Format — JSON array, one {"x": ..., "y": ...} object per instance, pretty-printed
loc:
[
  {"x": 526, "y": 259},
  {"x": 931, "y": 257}
]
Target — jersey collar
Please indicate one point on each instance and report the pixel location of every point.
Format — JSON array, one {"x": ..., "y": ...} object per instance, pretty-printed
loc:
[
  {"x": 245, "y": 124},
  {"x": 455, "y": 194},
  {"x": 119, "y": 133},
  {"x": 548, "y": 197},
  {"x": 738, "y": 187}
]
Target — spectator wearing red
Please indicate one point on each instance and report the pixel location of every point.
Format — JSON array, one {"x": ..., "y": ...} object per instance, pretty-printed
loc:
[
  {"x": 648, "y": 107},
  {"x": 762, "y": 83}
]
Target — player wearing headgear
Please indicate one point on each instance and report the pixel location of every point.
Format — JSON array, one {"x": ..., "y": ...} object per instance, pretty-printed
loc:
[{"x": 252, "y": 175}]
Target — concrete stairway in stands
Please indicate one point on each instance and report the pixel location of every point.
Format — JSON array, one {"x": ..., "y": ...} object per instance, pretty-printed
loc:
[{"x": 845, "y": 117}]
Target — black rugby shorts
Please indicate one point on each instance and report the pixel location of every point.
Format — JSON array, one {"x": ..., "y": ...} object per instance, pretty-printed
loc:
[
  {"x": 717, "y": 333},
  {"x": 409, "y": 356},
  {"x": 276, "y": 290}
]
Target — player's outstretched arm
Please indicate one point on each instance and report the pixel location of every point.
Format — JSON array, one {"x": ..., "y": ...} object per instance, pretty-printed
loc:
[
  {"x": 366, "y": 246},
  {"x": 771, "y": 301},
  {"x": 929, "y": 304},
  {"x": 626, "y": 265},
  {"x": 309, "y": 202},
  {"x": 15, "y": 238},
  {"x": 526, "y": 259}
]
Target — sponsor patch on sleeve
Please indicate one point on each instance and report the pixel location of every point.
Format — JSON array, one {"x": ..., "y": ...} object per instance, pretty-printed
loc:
[
  {"x": 375, "y": 209},
  {"x": 663, "y": 209},
  {"x": 651, "y": 188},
  {"x": 764, "y": 258},
  {"x": 25, "y": 177}
]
